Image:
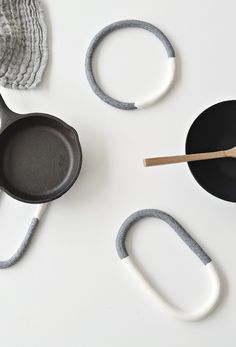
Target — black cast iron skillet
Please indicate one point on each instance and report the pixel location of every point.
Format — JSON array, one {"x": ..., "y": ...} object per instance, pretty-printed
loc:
[{"x": 40, "y": 155}]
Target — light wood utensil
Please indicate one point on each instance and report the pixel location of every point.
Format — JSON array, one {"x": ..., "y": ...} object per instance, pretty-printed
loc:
[{"x": 190, "y": 157}]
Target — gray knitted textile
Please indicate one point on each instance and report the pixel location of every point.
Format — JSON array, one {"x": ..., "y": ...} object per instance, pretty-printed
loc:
[
  {"x": 180, "y": 231},
  {"x": 23, "y": 43},
  {"x": 4, "y": 264}
]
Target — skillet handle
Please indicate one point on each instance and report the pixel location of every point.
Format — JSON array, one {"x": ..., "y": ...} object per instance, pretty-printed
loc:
[
  {"x": 40, "y": 209},
  {"x": 7, "y": 116}
]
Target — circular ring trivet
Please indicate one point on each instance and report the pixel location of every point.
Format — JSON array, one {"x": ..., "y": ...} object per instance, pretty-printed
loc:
[
  {"x": 129, "y": 24},
  {"x": 190, "y": 242}
]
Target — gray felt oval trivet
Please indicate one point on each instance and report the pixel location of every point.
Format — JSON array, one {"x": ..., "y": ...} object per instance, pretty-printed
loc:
[{"x": 164, "y": 303}]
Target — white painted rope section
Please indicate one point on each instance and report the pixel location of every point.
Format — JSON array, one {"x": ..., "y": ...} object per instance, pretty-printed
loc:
[
  {"x": 165, "y": 88},
  {"x": 169, "y": 307},
  {"x": 40, "y": 210}
]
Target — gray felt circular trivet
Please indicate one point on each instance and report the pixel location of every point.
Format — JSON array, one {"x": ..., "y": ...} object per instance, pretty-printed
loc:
[
  {"x": 120, "y": 25},
  {"x": 23, "y": 43}
]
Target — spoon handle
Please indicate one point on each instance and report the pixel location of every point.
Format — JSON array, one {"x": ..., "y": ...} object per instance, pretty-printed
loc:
[{"x": 183, "y": 158}]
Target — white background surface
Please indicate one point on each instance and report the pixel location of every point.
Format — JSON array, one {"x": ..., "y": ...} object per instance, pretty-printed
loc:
[{"x": 71, "y": 289}]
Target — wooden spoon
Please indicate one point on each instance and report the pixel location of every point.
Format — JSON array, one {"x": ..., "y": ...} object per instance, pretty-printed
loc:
[{"x": 190, "y": 157}]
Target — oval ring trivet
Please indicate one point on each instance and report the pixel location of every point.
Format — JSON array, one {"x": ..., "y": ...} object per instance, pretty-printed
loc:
[{"x": 190, "y": 242}]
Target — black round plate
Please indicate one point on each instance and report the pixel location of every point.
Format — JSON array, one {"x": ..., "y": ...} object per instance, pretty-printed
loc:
[{"x": 214, "y": 130}]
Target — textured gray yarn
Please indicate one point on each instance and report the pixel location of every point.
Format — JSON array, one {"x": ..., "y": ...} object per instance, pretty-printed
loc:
[
  {"x": 181, "y": 232},
  {"x": 23, "y": 247},
  {"x": 23, "y": 43},
  {"x": 99, "y": 37}
]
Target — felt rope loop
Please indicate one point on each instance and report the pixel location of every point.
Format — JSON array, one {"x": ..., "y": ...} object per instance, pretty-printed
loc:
[
  {"x": 41, "y": 208},
  {"x": 191, "y": 243},
  {"x": 129, "y": 24}
]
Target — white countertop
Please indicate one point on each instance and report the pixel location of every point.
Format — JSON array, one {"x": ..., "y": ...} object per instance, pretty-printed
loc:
[{"x": 70, "y": 289}]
